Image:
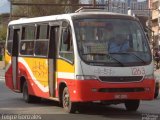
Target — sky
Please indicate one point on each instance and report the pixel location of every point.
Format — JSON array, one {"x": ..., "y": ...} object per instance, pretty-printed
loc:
[{"x": 5, "y": 6}]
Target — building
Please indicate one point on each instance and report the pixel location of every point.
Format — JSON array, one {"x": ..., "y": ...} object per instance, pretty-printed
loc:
[
  {"x": 4, "y": 19},
  {"x": 122, "y": 6},
  {"x": 142, "y": 11},
  {"x": 155, "y": 22},
  {"x": 150, "y": 4},
  {"x": 129, "y": 2},
  {"x": 140, "y": 8},
  {"x": 118, "y": 6}
]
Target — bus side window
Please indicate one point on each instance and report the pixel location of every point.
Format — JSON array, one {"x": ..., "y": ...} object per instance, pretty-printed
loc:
[
  {"x": 42, "y": 40},
  {"x": 27, "y": 48},
  {"x": 10, "y": 40},
  {"x": 66, "y": 48},
  {"x": 27, "y": 41}
]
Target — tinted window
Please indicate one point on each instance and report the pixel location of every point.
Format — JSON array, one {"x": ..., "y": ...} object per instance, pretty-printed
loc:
[
  {"x": 41, "y": 48},
  {"x": 10, "y": 40},
  {"x": 27, "y": 42},
  {"x": 28, "y": 33},
  {"x": 42, "y": 41},
  {"x": 27, "y": 47},
  {"x": 43, "y": 32},
  {"x": 112, "y": 41},
  {"x": 66, "y": 49}
]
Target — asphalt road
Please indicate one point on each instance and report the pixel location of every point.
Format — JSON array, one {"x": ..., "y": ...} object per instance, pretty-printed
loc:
[{"x": 13, "y": 106}]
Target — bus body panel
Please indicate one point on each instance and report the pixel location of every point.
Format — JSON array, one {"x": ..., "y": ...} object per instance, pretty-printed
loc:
[
  {"x": 117, "y": 71},
  {"x": 65, "y": 71},
  {"x": 89, "y": 90},
  {"x": 35, "y": 71},
  {"x": 8, "y": 71}
]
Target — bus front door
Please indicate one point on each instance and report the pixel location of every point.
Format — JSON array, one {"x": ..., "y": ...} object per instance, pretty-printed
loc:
[
  {"x": 54, "y": 32},
  {"x": 14, "y": 59}
]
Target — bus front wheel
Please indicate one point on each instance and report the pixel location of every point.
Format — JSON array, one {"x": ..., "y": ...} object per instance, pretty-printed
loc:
[
  {"x": 132, "y": 105},
  {"x": 68, "y": 106}
]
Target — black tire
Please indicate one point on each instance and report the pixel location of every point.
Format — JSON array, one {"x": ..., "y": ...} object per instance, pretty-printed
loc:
[
  {"x": 132, "y": 105},
  {"x": 156, "y": 91},
  {"x": 29, "y": 98},
  {"x": 68, "y": 106}
]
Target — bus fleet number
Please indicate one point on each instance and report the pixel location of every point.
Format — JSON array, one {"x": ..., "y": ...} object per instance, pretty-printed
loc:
[{"x": 138, "y": 71}]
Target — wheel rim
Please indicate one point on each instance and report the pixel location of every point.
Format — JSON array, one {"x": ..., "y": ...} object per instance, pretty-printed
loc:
[{"x": 66, "y": 101}]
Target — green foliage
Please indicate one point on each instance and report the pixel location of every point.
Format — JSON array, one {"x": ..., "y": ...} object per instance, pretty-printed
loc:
[
  {"x": 3, "y": 33},
  {"x": 0, "y": 19},
  {"x": 35, "y": 11}
]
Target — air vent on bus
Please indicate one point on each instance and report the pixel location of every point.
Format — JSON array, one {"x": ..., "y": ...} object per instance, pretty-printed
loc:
[
  {"x": 137, "y": 89},
  {"x": 121, "y": 78}
]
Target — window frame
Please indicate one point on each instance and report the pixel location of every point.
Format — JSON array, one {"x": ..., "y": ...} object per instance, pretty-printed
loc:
[
  {"x": 9, "y": 40},
  {"x": 66, "y": 26},
  {"x": 37, "y": 39},
  {"x": 34, "y": 40},
  {"x": 49, "y": 23},
  {"x": 27, "y": 40},
  {"x": 106, "y": 64}
]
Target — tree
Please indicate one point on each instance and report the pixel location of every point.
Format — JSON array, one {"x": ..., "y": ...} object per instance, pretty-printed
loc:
[
  {"x": 3, "y": 29},
  {"x": 3, "y": 32},
  {"x": 35, "y": 11}
]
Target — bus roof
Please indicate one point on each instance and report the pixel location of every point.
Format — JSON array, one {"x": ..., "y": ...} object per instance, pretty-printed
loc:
[{"x": 64, "y": 16}]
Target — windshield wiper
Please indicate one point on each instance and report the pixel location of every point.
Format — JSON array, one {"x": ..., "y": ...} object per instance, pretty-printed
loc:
[
  {"x": 115, "y": 59},
  {"x": 109, "y": 55},
  {"x": 138, "y": 57},
  {"x": 132, "y": 53}
]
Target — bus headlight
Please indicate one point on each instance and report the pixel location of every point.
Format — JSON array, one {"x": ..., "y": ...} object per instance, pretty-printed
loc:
[{"x": 86, "y": 77}]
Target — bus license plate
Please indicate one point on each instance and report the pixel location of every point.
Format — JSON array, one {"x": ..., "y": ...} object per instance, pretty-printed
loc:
[{"x": 120, "y": 96}]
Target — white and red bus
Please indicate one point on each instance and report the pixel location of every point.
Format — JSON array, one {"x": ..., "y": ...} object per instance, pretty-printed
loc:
[{"x": 70, "y": 58}]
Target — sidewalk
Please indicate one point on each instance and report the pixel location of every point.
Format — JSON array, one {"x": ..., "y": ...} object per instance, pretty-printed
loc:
[
  {"x": 2, "y": 71},
  {"x": 2, "y": 64},
  {"x": 157, "y": 74}
]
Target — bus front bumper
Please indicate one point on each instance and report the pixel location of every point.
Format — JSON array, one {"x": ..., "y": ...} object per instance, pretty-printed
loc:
[{"x": 94, "y": 90}]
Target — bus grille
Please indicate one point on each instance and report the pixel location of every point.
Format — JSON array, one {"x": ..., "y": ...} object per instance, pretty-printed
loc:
[
  {"x": 121, "y": 90},
  {"x": 121, "y": 78}
]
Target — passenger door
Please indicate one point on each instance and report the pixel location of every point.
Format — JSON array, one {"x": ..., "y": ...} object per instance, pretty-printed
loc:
[
  {"x": 14, "y": 57},
  {"x": 53, "y": 43}
]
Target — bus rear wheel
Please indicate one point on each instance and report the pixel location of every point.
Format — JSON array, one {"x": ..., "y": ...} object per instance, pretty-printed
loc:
[
  {"x": 132, "y": 105},
  {"x": 29, "y": 98},
  {"x": 68, "y": 106},
  {"x": 26, "y": 96}
]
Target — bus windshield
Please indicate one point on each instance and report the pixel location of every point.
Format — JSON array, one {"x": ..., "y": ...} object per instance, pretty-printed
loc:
[{"x": 112, "y": 42}]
